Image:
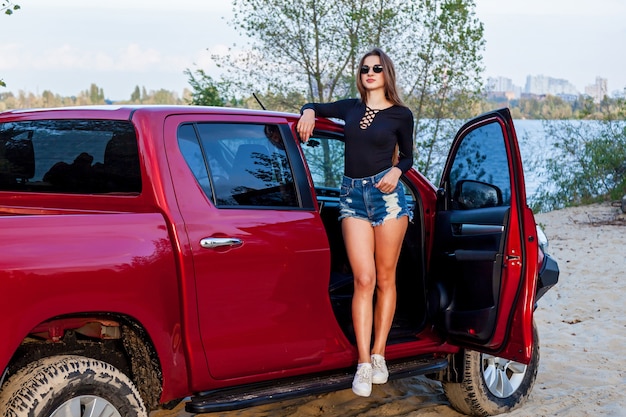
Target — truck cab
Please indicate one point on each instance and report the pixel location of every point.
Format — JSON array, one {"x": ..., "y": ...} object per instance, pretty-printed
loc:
[{"x": 196, "y": 253}]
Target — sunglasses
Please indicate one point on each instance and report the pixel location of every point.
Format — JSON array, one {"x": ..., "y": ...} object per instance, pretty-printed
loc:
[{"x": 376, "y": 68}]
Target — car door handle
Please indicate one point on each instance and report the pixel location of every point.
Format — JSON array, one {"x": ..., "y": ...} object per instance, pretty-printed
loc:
[
  {"x": 479, "y": 229},
  {"x": 217, "y": 242}
]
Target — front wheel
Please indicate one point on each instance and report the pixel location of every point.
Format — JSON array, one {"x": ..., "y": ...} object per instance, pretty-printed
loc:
[
  {"x": 493, "y": 385},
  {"x": 70, "y": 386}
]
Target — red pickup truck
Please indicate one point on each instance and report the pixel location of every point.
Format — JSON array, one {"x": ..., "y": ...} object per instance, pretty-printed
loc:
[{"x": 152, "y": 255}]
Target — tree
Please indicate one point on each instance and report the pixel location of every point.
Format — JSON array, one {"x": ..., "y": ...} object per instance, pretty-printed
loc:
[
  {"x": 312, "y": 47},
  {"x": 95, "y": 94},
  {"x": 205, "y": 91},
  {"x": 442, "y": 64},
  {"x": 135, "y": 97},
  {"x": 8, "y": 8},
  {"x": 163, "y": 96},
  {"x": 308, "y": 46},
  {"x": 49, "y": 99}
]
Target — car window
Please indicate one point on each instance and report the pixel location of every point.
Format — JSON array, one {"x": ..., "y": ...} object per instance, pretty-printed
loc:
[
  {"x": 480, "y": 170},
  {"x": 239, "y": 164},
  {"x": 69, "y": 156},
  {"x": 192, "y": 152}
]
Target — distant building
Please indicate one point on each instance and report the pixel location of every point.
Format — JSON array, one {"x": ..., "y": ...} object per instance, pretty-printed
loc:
[
  {"x": 597, "y": 91},
  {"x": 499, "y": 84},
  {"x": 502, "y": 88},
  {"x": 538, "y": 86},
  {"x": 541, "y": 85}
]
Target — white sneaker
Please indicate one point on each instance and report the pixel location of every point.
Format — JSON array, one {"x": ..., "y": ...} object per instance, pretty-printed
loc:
[
  {"x": 362, "y": 383},
  {"x": 380, "y": 373}
]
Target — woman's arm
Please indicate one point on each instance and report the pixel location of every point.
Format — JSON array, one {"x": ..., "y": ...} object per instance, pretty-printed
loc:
[
  {"x": 309, "y": 111},
  {"x": 405, "y": 142},
  {"x": 306, "y": 124}
]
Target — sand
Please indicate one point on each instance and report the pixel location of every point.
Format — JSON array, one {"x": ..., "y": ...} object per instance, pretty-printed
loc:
[{"x": 582, "y": 327}]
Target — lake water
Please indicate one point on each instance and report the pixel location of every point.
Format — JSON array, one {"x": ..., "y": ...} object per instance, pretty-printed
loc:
[{"x": 535, "y": 148}]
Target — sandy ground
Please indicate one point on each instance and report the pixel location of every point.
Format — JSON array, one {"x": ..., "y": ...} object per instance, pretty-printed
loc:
[{"x": 582, "y": 326}]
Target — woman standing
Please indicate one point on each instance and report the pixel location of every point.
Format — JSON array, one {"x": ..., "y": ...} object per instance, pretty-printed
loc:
[{"x": 373, "y": 211}]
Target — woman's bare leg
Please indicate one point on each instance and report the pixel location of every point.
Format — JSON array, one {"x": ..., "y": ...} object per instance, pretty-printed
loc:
[
  {"x": 358, "y": 236},
  {"x": 388, "y": 239}
]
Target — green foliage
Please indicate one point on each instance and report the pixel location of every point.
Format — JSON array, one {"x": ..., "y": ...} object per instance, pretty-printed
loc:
[
  {"x": 8, "y": 7},
  {"x": 95, "y": 94},
  {"x": 135, "y": 97},
  {"x": 205, "y": 90},
  {"x": 310, "y": 47},
  {"x": 588, "y": 165}
]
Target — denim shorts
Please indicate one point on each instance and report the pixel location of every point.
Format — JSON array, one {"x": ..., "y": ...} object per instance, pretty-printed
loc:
[{"x": 359, "y": 198}]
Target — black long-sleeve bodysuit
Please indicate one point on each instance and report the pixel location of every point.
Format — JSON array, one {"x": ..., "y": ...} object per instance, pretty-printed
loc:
[{"x": 369, "y": 151}]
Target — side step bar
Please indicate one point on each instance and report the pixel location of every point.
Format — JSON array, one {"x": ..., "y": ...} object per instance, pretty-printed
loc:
[{"x": 228, "y": 399}]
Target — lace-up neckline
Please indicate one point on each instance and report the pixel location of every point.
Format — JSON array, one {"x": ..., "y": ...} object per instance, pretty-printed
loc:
[{"x": 368, "y": 117}]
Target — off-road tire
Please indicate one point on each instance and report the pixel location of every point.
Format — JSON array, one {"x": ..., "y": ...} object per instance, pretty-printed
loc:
[
  {"x": 473, "y": 396},
  {"x": 42, "y": 387}
]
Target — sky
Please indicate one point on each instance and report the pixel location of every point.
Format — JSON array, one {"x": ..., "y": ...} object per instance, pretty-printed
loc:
[{"x": 66, "y": 45}]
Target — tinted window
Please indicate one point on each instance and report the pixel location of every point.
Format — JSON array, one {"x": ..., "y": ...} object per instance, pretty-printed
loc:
[
  {"x": 192, "y": 152},
  {"x": 69, "y": 156},
  {"x": 239, "y": 164},
  {"x": 482, "y": 158}
]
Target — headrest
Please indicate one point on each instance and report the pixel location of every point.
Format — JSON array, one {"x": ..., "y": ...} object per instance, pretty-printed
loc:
[
  {"x": 121, "y": 163},
  {"x": 17, "y": 159}
]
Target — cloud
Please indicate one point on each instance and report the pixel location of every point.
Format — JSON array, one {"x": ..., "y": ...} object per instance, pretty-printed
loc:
[
  {"x": 135, "y": 59},
  {"x": 130, "y": 58},
  {"x": 10, "y": 56}
]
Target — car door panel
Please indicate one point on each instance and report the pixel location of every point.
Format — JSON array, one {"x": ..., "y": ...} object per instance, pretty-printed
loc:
[
  {"x": 481, "y": 257},
  {"x": 470, "y": 279},
  {"x": 259, "y": 249}
]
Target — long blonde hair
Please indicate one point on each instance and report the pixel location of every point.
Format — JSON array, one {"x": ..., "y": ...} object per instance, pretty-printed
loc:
[{"x": 391, "y": 90}]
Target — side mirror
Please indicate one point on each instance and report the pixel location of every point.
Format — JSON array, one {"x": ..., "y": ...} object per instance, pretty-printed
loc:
[{"x": 469, "y": 194}]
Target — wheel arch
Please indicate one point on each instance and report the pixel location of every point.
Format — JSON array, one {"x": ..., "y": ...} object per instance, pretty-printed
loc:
[{"x": 117, "y": 339}]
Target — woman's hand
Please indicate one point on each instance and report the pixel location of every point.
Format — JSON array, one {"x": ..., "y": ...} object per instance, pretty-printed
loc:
[
  {"x": 389, "y": 181},
  {"x": 306, "y": 124}
]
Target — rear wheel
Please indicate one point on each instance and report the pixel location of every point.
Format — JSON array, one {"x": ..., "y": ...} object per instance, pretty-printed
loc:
[
  {"x": 70, "y": 386},
  {"x": 493, "y": 385}
]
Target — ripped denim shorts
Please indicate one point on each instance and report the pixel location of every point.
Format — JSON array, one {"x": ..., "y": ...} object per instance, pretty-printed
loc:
[{"x": 359, "y": 198}]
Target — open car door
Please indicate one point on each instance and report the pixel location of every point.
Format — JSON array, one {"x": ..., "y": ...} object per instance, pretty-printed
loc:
[{"x": 485, "y": 257}]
